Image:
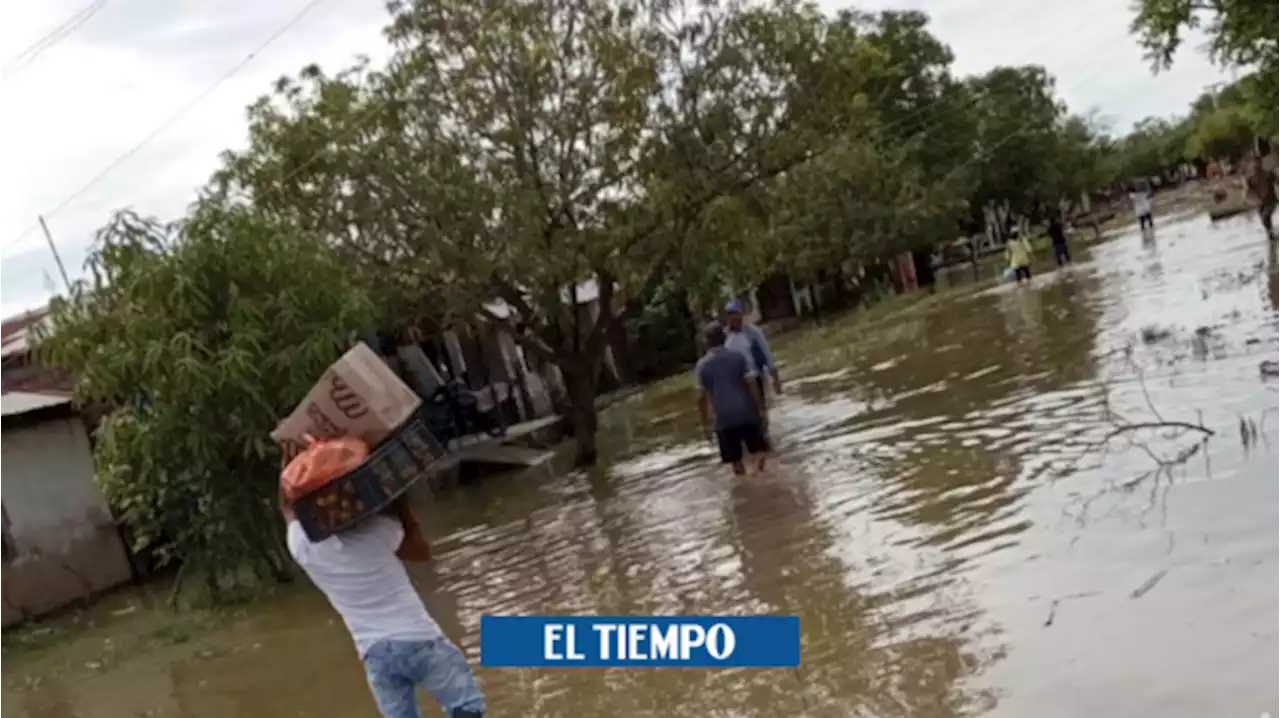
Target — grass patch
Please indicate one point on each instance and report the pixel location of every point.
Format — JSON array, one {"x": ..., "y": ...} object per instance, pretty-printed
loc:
[{"x": 114, "y": 630}]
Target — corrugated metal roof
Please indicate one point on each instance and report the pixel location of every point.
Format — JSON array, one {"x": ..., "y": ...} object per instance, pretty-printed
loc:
[
  {"x": 15, "y": 344},
  {"x": 20, "y": 402},
  {"x": 17, "y": 332}
]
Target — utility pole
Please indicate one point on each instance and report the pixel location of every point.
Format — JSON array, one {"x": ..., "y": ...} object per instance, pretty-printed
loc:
[{"x": 56, "y": 257}]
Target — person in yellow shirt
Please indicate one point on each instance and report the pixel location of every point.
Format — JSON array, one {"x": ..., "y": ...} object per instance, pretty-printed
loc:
[{"x": 1018, "y": 250}]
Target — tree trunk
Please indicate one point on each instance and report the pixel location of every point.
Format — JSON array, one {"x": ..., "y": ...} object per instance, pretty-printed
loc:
[
  {"x": 923, "y": 260},
  {"x": 580, "y": 384}
]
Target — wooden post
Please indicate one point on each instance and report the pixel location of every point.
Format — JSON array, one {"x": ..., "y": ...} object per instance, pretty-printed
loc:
[{"x": 56, "y": 257}]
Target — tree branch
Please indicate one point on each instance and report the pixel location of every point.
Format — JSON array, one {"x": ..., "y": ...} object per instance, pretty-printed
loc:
[{"x": 1156, "y": 425}]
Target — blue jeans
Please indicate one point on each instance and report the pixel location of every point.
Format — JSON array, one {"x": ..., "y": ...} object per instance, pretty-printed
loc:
[{"x": 396, "y": 668}]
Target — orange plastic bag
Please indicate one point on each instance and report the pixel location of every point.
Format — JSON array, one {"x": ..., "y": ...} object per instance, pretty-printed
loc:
[{"x": 320, "y": 463}]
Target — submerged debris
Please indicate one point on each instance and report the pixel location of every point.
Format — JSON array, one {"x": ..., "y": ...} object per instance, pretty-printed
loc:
[
  {"x": 1154, "y": 334},
  {"x": 1149, "y": 584},
  {"x": 1248, "y": 432},
  {"x": 1053, "y": 611}
]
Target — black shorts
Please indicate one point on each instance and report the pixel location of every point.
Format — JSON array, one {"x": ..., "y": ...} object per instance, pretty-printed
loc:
[
  {"x": 732, "y": 441},
  {"x": 1023, "y": 272}
]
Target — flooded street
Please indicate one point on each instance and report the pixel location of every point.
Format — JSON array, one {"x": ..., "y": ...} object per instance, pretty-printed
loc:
[{"x": 1002, "y": 503}]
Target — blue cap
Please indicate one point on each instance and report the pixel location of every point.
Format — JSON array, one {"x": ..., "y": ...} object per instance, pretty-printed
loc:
[{"x": 733, "y": 307}]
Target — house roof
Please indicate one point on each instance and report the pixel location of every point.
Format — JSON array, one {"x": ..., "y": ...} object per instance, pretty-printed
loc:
[
  {"x": 15, "y": 345},
  {"x": 14, "y": 403},
  {"x": 15, "y": 332}
]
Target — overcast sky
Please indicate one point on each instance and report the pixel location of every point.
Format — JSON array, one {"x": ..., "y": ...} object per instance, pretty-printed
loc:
[{"x": 84, "y": 101}]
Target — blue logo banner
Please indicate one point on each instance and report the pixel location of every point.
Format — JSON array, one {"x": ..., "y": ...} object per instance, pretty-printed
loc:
[{"x": 640, "y": 641}]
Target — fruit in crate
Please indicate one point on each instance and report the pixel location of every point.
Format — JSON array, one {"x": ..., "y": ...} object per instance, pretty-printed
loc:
[{"x": 318, "y": 466}]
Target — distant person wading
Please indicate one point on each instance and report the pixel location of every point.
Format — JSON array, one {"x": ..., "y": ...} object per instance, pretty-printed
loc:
[
  {"x": 728, "y": 387},
  {"x": 1058, "y": 238},
  {"x": 1019, "y": 253},
  {"x": 1262, "y": 187},
  {"x": 1142, "y": 207}
]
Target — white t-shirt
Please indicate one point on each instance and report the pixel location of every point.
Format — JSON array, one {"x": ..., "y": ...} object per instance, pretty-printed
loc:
[
  {"x": 1141, "y": 202},
  {"x": 365, "y": 582}
]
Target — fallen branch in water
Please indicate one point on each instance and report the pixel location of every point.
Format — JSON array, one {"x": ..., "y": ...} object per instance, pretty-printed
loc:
[
  {"x": 1122, "y": 426},
  {"x": 1139, "y": 426}
]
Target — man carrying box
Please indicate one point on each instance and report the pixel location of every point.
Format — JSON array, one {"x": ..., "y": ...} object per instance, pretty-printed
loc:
[
  {"x": 361, "y": 573},
  {"x": 359, "y": 570}
]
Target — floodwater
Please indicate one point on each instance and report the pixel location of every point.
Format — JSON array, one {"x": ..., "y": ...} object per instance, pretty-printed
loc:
[{"x": 963, "y": 512}]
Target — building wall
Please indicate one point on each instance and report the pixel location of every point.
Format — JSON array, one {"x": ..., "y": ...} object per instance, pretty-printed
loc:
[{"x": 61, "y": 540}]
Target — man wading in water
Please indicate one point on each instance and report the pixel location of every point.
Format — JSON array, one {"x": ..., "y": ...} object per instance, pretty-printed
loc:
[
  {"x": 1141, "y": 199},
  {"x": 1262, "y": 188},
  {"x": 748, "y": 340},
  {"x": 361, "y": 573},
  {"x": 729, "y": 387},
  {"x": 1058, "y": 238}
]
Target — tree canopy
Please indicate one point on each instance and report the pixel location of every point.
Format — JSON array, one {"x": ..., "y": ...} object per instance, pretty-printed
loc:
[
  {"x": 1242, "y": 34},
  {"x": 198, "y": 337},
  {"x": 531, "y": 151}
]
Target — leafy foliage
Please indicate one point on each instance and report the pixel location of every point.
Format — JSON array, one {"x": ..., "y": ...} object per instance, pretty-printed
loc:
[
  {"x": 1242, "y": 34},
  {"x": 1223, "y": 132},
  {"x": 516, "y": 149},
  {"x": 654, "y": 156},
  {"x": 196, "y": 338},
  {"x": 1019, "y": 118}
]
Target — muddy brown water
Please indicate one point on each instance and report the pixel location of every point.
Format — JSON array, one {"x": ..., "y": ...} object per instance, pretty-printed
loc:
[{"x": 943, "y": 515}]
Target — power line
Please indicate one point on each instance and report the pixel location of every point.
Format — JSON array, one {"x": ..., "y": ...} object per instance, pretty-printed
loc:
[
  {"x": 173, "y": 119},
  {"x": 371, "y": 113},
  {"x": 53, "y": 37}
]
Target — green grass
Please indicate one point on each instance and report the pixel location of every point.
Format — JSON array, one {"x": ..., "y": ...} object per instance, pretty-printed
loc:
[{"x": 114, "y": 630}]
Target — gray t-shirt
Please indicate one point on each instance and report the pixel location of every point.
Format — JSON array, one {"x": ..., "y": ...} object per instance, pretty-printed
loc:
[
  {"x": 743, "y": 341},
  {"x": 723, "y": 374}
]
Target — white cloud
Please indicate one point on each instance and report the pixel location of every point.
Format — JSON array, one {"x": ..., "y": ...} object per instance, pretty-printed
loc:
[
  {"x": 95, "y": 94},
  {"x": 91, "y": 97},
  {"x": 1085, "y": 44}
]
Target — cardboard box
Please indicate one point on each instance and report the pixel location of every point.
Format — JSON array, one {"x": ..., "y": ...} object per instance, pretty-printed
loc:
[{"x": 358, "y": 395}]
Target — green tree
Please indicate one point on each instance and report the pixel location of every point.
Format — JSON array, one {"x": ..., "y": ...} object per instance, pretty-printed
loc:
[
  {"x": 899, "y": 183},
  {"x": 920, "y": 106},
  {"x": 1151, "y": 147},
  {"x": 1078, "y": 160},
  {"x": 196, "y": 338},
  {"x": 1242, "y": 34},
  {"x": 1223, "y": 133},
  {"x": 517, "y": 149},
  {"x": 1018, "y": 121}
]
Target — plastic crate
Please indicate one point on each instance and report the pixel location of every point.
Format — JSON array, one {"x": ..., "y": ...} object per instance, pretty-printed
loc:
[{"x": 390, "y": 470}]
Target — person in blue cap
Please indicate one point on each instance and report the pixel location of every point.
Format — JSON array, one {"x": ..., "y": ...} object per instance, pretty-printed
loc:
[{"x": 748, "y": 340}]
